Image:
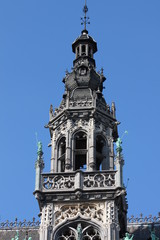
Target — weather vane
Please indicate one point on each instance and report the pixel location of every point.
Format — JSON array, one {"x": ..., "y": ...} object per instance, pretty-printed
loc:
[{"x": 85, "y": 19}]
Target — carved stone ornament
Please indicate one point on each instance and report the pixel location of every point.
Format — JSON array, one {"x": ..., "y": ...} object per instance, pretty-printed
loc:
[
  {"x": 47, "y": 214},
  {"x": 59, "y": 182},
  {"x": 99, "y": 180},
  {"x": 95, "y": 212}
]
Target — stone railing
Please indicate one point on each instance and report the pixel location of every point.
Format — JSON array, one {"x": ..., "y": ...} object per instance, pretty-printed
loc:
[
  {"x": 78, "y": 180},
  {"x": 20, "y": 224},
  {"x": 144, "y": 220},
  {"x": 99, "y": 180}
]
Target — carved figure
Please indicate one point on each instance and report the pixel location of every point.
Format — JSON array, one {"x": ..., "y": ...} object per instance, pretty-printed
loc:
[
  {"x": 51, "y": 112},
  {"x": 79, "y": 231},
  {"x": 128, "y": 236},
  {"x": 119, "y": 145},
  {"x": 39, "y": 144}
]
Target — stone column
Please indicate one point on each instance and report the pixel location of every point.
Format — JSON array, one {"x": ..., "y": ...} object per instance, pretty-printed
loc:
[
  {"x": 119, "y": 167},
  {"x": 91, "y": 146},
  {"x": 53, "y": 153},
  {"x": 111, "y": 150},
  {"x": 68, "y": 152}
]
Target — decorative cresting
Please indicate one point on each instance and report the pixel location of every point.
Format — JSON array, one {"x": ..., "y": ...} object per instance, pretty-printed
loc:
[
  {"x": 20, "y": 224},
  {"x": 144, "y": 219},
  {"x": 83, "y": 210},
  {"x": 36, "y": 223}
]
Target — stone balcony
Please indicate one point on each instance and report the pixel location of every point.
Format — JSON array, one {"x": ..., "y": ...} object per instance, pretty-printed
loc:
[{"x": 79, "y": 180}]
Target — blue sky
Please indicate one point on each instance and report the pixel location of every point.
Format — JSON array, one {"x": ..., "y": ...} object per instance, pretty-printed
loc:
[{"x": 35, "y": 51}]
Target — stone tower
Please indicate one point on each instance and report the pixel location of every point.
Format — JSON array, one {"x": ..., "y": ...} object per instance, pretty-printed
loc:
[{"x": 83, "y": 196}]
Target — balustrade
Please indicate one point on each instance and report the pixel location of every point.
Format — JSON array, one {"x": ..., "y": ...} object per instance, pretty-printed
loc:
[{"x": 78, "y": 180}]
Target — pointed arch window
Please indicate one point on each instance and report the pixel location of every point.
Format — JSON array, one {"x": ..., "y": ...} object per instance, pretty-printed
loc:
[
  {"x": 77, "y": 51},
  {"x": 100, "y": 144},
  {"x": 80, "y": 151},
  {"x": 78, "y": 230},
  {"x": 61, "y": 154},
  {"x": 89, "y": 52},
  {"x": 83, "y": 50}
]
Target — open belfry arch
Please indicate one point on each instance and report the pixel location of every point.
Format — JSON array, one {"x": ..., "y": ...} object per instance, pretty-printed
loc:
[{"x": 83, "y": 196}]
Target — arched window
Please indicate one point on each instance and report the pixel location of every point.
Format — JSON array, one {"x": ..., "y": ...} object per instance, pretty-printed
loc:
[
  {"x": 61, "y": 154},
  {"x": 89, "y": 52},
  {"x": 78, "y": 230},
  {"x": 77, "y": 51},
  {"x": 100, "y": 144},
  {"x": 68, "y": 234},
  {"x": 91, "y": 234},
  {"x": 80, "y": 151},
  {"x": 83, "y": 50}
]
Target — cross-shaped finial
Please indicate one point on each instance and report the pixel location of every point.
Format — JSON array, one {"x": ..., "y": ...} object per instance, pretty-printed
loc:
[{"x": 85, "y": 19}]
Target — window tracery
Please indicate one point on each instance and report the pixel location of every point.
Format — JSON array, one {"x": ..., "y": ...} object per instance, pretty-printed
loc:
[{"x": 80, "y": 232}]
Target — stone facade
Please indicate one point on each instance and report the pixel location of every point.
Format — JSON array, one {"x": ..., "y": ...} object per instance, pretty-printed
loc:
[{"x": 83, "y": 196}]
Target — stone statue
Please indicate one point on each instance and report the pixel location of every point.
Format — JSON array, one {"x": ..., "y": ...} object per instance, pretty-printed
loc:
[
  {"x": 128, "y": 236},
  {"x": 118, "y": 145},
  {"x": 79, "y": 231},
  {"x": 51, "y": 112}
]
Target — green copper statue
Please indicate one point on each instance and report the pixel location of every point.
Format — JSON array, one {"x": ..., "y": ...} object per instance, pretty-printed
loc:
[
  {"x": 16, "y": 237},
  {"x": 128, "y": 236},
  {"x": 39, "y": 151},
  {"x": 153, "y": 235},
  {"x": 118, "y": 145},
  {"x": 79, "y": 231},
  {"x": 39, "y": 146}
]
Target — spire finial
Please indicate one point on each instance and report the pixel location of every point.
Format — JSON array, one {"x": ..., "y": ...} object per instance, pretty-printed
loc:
[{"x": 85, "y": 19}]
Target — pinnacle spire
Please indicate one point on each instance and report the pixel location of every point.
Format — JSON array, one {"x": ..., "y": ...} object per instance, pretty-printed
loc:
[{"x": 85, "y": 19}]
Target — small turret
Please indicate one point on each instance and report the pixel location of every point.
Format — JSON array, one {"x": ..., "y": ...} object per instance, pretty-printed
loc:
[
  {"x": 119, "y": 163},
  {"x": 84, "y": 47}
]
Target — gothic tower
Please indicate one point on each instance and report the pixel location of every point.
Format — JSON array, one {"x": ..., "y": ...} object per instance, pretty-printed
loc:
[{"x": 83, "y": 196}]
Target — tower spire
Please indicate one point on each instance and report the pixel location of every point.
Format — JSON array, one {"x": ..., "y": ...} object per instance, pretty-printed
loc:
[{"x": 85, "y": 19}]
